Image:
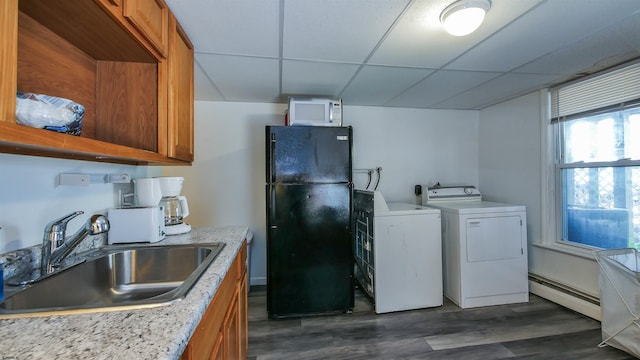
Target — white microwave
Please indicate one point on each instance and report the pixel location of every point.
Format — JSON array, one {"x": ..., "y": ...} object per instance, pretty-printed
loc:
[{"x": 311, "y": 111}]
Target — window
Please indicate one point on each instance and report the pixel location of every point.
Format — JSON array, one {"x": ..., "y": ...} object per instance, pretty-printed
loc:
[
  {"x": 597, "y": 168},
  {"x": 600, "y": 185}
]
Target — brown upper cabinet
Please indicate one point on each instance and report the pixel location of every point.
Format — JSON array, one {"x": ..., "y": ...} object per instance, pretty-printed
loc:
[
  {"x": 147, "y": 20},
  {"x": 128, "y": 62},
  {"x": 180, "y": 93}
]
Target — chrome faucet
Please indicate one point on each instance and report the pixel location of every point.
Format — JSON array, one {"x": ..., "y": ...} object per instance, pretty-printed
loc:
[{"x": 55, "y": 247}]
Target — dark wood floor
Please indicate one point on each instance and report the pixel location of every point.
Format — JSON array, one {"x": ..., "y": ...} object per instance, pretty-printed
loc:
[{"x": 538, "y": 329}]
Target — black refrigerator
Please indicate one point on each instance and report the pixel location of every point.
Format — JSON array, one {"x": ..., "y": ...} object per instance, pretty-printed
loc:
[{"x": 309, "y": 250}]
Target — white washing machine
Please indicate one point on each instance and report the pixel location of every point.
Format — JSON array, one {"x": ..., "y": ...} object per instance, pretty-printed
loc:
[
  {"x": 484, "y": 248},
  {"x": 398, "y": 253}
]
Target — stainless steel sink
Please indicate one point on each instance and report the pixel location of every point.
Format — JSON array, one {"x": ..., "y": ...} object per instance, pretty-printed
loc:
[{"x": 116, "y": 278}]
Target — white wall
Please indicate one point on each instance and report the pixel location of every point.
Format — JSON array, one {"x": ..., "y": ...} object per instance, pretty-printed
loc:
[
  {"x": 510, "y": 171},
  {"x": 30, "y": 196},
  {"x": 509, "y": 156},
  {"x": 226, "y": 184},
  {"x": 413, "y": 146}
]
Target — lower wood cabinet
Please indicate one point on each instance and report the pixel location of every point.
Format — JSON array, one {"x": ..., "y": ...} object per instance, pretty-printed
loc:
[
  {"x": 222, "y": 332},
  {"x": 243, "y": 312},
  {"x": 230, "y": 333}
]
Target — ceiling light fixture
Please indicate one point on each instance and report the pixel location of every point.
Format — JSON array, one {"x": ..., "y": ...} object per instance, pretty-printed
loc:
[{"x": 464, "y": 17}]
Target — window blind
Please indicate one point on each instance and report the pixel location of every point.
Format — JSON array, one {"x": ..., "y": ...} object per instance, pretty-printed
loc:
[{"x": 617, "y": 89}]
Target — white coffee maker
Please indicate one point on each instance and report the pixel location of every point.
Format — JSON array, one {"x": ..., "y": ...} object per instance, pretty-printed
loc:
[{"x": 175, "y": 205}]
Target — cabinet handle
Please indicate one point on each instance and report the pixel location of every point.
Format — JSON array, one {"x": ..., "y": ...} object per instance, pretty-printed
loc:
[{"x": 115, "y": 2}]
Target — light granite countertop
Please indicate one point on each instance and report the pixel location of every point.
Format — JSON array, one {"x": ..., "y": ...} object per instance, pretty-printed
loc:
[{"x": 155, "y": 333}]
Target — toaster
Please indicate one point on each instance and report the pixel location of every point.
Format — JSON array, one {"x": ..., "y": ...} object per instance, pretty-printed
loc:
[{"x": 136, "y": 225}]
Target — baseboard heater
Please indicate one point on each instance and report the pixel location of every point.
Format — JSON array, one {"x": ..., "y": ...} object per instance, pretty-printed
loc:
[{"x": 566, "y": 296}]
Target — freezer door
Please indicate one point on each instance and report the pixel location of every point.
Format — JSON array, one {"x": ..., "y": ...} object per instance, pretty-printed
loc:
[
  {"x": 309, "y": 252},
  {"x": 308, "y": 154}
]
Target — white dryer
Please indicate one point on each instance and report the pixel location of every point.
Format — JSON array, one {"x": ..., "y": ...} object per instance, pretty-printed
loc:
[
  {"x": 484, "y": 248},
  {"x": 398, "y": 253}
]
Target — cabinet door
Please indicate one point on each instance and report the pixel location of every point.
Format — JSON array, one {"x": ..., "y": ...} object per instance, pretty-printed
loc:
[
  {"x": 8, "y": 60},
  {"x": 180, "y": 99},
  {"x": 151, "y": 18},
  {"x": 231, "y": 331},
  {"x": 243, "y": 318},
  {"x": 218, "y": 352}
]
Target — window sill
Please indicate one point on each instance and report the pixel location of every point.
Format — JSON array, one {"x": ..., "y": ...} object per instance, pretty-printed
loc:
[{"x": 568, "y": 249}]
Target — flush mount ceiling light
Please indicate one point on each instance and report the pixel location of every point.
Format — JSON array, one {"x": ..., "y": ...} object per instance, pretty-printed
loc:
[{"x": 464, "y": 17}]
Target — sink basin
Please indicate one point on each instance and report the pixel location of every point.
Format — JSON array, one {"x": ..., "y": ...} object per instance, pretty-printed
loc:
[{"x": 115, "y": 279}]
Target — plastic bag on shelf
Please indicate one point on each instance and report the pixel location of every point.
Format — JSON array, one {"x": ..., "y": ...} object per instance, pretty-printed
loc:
[{"x": 49, "y": 112}]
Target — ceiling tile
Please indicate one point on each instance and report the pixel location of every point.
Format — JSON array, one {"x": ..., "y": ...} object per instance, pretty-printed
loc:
[
  {"x": 336, "y": 30},
  {"x": 375, "y": 85},
  {"x": 242, "y": 78},
  {"x": 265, "y": 50},
  {"x": 242, "y": 27},
  {"x": 203, "y": 88},
  {"x": 544, "y": 29},
  {"x": 440, "y": 86},
  {"x": 419, "y": 39},
  {"x": 499, "y": 89},
  {"x": 315, "y": 78},
  {"x": 629, "y": 30},
  {"x": 599, "y": 51}
]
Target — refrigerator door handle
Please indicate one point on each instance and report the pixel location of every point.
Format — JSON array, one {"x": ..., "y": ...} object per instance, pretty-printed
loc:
[
  {"x": 272, "y": 210},
  {"x": 272, "y": 158}
]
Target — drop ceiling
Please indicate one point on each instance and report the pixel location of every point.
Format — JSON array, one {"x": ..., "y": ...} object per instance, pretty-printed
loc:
[{"x": 395, "y": 52}]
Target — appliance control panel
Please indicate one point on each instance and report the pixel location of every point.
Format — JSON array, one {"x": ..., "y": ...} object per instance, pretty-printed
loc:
[{"x": 453, "y": 193}]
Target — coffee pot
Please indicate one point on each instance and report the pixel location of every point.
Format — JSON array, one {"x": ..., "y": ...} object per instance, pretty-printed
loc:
[
  {"x": 176, "y": 209},
  {"x": 175, "y": 205}
]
